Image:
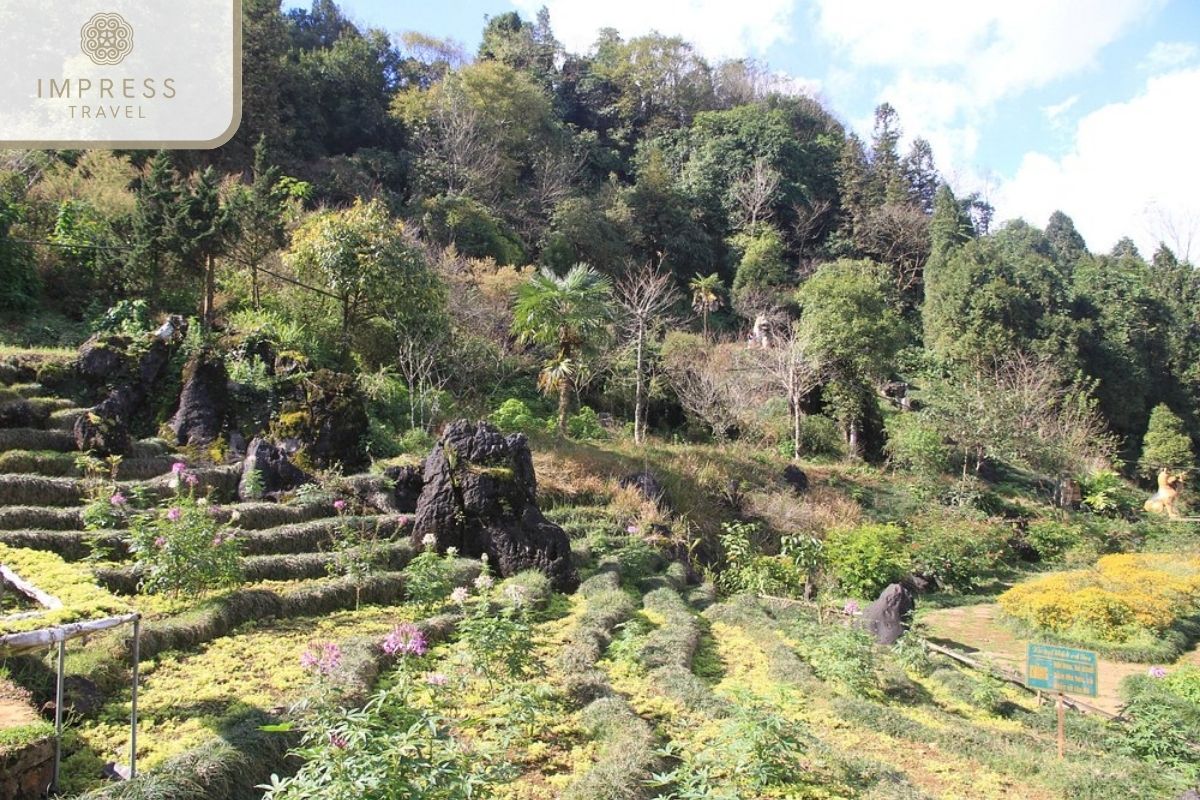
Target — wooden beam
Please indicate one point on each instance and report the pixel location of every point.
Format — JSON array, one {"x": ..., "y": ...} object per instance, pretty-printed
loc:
[{"x": 44, "y": 599}]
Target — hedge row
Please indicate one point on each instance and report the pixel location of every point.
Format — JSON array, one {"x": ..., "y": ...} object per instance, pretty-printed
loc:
[
  {"x": 67, "y": 545},
  {"x": 668, "y": 652},
  {"x": 307, "y": 537},
  {"x": 58, "y": 465},
  {"x": 392, "y": 556},
  {"x": 607, "y": 607},
  {"x": 258, "y": 516},
  {"x": 34, "y": 517},
  {"x": 626, "y": 755}
]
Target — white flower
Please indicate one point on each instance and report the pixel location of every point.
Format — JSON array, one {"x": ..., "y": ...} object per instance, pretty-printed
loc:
[
  {"x": 235, "y": 516},
  {"x": 483, "y": 558},
  {"x": 429, "y": 540},
  {"x": 484, "y": 582},
  {"x": 515, "y": 594},
  {"x": 459, "y": 595},
  {"x": 173, "y": 483},
  {"x": 202, "y": 502},
  {"x": 451, "y": 552}
]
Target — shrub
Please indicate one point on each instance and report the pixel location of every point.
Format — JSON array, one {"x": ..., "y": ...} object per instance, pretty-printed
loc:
[
  {"x": 958, "y": 553},
  {"x": 1107, "y": 494},
  {"x": 914, "y": 445},
  {"x": 1124, "y": 596},
  {"x": 1052, "y": 538},
  {"x": 498, "y": 638},
  {"x": 844, "y": 656},
  {"x": 867, "y": 558},
  {"x": 428, "y": 577},
  {"x": 514, "y": 416},
  {"x": 748, "y": 570},
  {"x": 1161, "y": 726},
  {"x": 820, "y": 436},
  {"x": 584, "y": 424}
]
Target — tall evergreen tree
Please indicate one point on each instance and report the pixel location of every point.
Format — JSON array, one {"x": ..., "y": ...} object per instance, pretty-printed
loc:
[
  {"x": 1066, "y": 245},
  {"x": 258, "y": 211},
  {"x": 156, "y": 205},
  {"x": 202, "y": 229},
  {"x": 1166, "y": 444}
]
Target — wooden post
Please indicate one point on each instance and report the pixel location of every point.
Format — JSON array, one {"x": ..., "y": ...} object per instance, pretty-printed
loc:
[
  {"x": 1062, "y": 714},
  {"x": 58, "y": 704}
]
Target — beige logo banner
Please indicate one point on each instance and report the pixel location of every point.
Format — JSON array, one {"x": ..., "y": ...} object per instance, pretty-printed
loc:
[{"x": 131, "y": 73}]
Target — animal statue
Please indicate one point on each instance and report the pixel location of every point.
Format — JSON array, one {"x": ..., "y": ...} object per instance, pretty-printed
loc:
[{"x": 1165, "y": 499}]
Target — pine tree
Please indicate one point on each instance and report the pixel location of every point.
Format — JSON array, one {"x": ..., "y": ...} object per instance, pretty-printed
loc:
[
  {"x": 258, "y": 209},
  {"x": 156, "y": 205},
  {"x": 1066, "y": 245},
  {"x": 202, "y": 228},
  {"x": 1166, "y": 444}
]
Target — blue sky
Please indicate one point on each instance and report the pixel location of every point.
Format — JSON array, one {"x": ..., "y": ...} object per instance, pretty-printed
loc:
[{"x": 1090, "y": 106}]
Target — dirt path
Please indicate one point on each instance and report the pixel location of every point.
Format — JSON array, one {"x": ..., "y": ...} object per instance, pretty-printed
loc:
[{"x": 977, "y": 629}]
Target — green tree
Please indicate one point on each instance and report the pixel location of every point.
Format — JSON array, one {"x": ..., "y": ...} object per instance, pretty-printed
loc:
[
  {"x": 763, "y": 265},
  {"x": 201, "y": 230},
  {"x": 706, "y": 296},
  {"x": 850, "y": 328},
  {"x": 258, "y": 210},
  {"x": 155, "y": 207},
  {"x": 571, "y": 315},
  {"x": 1066, "y": 245},
  {"x": 1166, "y": 444},
  {"x": 18, "y": 280}
]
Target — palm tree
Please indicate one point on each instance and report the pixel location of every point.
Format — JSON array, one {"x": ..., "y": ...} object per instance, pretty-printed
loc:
[
  {"x": 706, "y": 296},
  {"x": 570, "y": 314}
]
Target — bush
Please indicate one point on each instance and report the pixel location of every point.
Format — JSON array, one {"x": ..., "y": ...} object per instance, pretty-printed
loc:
[
  {"x": 820, "y": 436},
  {"x": 914, "y": 445},
  {"x": 1106, "y": 493},
  {"x": 1052, "y": 538},
  {"x": 1123, "y": 598},
  {"x": 958, "y": 553},
  {"x": 748, "y": 570},
  {"x": 1161, "y": 726},
  {"x": 844, "y": 656},
  {"x": 514, "y": 416},
  {"x": 867, "y": 558},
  {"x": 584, "y": 424}
]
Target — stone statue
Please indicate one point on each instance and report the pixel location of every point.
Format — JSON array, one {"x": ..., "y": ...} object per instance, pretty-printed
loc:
[{"x": 1165, "y": 499}]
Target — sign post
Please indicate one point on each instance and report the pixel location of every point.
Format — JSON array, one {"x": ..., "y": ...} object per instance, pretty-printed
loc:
[{"x": 1058, "y": 669}]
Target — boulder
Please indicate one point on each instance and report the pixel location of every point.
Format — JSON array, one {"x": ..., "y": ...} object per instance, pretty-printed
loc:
[
  {"x": 887, "y": 618},
  {"x": 407, "y": 485},
  {"x": 203, "y": 401},
  {"x": 647, "y": 485},
  {"x": 104, "y": 358},
  {"x": 480, "y": 496},
  {"x": 327, "y": 415},
  {"x": 794, "y": 477},
  {"x": 105, "y": 429},
  {"x": 275, "y": 472}
]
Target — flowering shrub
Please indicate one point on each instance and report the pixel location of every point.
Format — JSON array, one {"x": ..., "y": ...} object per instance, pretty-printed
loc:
[
  {"x": 498, "y": 638},
  {"x": 427, "y": 576},
  {"x": 1123, "y": 596},
  {"x": 180, "y": 546}
]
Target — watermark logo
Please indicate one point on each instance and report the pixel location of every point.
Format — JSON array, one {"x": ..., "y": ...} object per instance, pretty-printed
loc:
[{"x": 106, "y": 39}]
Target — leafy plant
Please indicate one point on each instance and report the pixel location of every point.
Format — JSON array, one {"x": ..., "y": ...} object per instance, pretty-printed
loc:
[
  {"x": 867, "y": 558},
  {"x": 427, "y": 578},
  {"x": 498, "y": 639}
]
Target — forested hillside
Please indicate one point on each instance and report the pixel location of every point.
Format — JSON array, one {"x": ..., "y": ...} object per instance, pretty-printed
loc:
[{"x": 555, "y": 419}]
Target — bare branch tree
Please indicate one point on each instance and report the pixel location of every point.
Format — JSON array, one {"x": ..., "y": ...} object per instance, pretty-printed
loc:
[
  {"x": 754, "y": 192},
  {"x": 788, "y": 367},
  {"x": 646, "y": 296},
  {"x": 418, "y": 360}
]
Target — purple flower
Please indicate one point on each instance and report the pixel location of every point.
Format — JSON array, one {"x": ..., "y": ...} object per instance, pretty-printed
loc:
[
  {"x": 191, "y": 479},
  {"x": 339, "y": 505},
  {"x": 174, "y": 513},
  {"x": 160, "y": 541},
  {"x": 436, "y": 679},
  {"x": 1156, "y": 672},
  {"x": 406, "y": 639},
  {"x": 118, "y": 499},
  {"x": 631, "y": 529},
  {"x": 404, "y": 520},
  {"x": 338, "y": 741},
  {"x": 851, "y": 608},
  {"x": 322, "y": 657},
  {"x": 178, "y": 467}
]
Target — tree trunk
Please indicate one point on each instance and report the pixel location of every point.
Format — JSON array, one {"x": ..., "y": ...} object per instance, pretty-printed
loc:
[
  {"x": 254, "y": 286},
  {"x": 210, "y": 291},
  {"x": 639, "y": 402},
  {"x": 564, "y": 404},
  {"x": 852, "y": 438},
  {"x": 796, "y": 416},
  {"x": 705, "y": 317}
]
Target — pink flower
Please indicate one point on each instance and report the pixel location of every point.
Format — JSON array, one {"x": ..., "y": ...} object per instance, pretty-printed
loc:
[
  {"x": 631, "y": 529},
  {"x": 404, "y": 520},
  {"x": 436, "y": 679},
  {"x": 118, "y": 499},
  {"x": 191, "y": 479},
  {"x": 484, "y": 582},
  {"x": 218, "y": 540},
  {"x": 406, "y": 639},
  {"x": 174, "y": 513},
  {"x": 1156, "y": 672},
  {"x": 322, "y": 657},
  {"x": 339, "y": 505},
  {"x": 338, "y": 741},
  {"x": 178, "y": 467},
  {"x": 160, "y": 541},
  {"x": 459, "y": 595},
  {"x": 851, "y": 608}
]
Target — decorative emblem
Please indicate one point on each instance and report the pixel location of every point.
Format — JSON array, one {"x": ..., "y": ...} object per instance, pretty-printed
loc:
[{"x": 106, "y": 39}]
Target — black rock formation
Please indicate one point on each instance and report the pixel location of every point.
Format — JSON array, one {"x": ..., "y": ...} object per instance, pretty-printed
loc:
[
  {"x": 888, "y": 617},
  {"x": 480, "y": 496}
]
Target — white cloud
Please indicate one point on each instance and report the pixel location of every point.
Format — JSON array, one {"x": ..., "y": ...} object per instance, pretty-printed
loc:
[
  {"x": 1164, "y": 55},
  {"x": 950, "y": 62},
  {"x": 1055, "y": 112},
  {"x": 712, "y": 26},
  {"x": 1127, "y": 169}
]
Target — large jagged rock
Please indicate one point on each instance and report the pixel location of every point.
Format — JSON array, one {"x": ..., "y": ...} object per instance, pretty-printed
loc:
[
  {"x": 480, "y": 496},
  {"x": 105, "y": 429},
  {"x": 888, "y": 617},
  {"x": 794, "y": 477},
  {"x": 104, "y": 358},
  {"x": 327, "y": 415},
  {"x": 203, "y": 402},
  {"x": 267, "y": 471},
  {"x": 407, "y": 483}
]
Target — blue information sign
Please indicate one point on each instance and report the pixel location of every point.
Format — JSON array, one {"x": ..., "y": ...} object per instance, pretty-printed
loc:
[{"x": 1052, "y": 668}]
